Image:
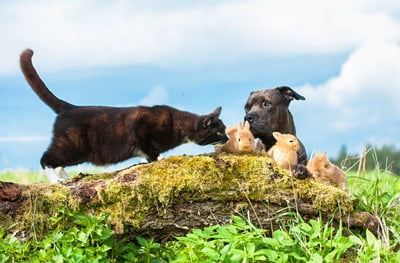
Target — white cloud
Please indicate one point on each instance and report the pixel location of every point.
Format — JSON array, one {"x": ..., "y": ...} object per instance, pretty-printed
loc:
[
  {"x": 361, "y": 103},
  {"x": 370, "y": 75},
  {"x": 23, "y": 138},
  {"x": 106, "y": 33},
  {"x": 158, "y": 95}
]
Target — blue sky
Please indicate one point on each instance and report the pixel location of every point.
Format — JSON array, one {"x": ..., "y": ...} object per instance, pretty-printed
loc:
[{"x": 343, "y": 56}]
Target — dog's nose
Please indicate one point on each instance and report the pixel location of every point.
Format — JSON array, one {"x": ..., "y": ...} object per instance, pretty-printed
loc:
[{"x": 250, "y": 117}]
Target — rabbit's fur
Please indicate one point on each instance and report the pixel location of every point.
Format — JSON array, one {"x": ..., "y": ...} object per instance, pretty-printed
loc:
[
  {"x": 323, "y": 170},
  {"x": 241, "y": 140},
  {"x": 284, "y": 152}
]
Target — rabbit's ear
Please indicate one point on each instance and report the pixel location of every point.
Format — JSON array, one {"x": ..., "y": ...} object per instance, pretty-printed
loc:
[
  {"x": 230, "y": 131},
  {"x": 247, "y": 125},
  {"x": 277, "y": 135},
  {"x": 324, "y": 154},
  {"x": 240, "y": 125}
]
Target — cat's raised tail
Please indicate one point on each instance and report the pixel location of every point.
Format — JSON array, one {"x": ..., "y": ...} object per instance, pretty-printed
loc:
[{"x": 38, "y": 86}]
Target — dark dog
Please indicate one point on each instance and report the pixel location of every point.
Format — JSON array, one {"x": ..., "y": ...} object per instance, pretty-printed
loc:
[
  {"x": 108, "y": 135},
  {"x": 267, "y": 111}
]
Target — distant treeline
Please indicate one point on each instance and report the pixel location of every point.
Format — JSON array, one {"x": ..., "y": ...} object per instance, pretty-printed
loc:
[{"x": 386, "y": 158}]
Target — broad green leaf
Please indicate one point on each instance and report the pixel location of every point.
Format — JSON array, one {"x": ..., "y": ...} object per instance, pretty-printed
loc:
[
  {"x": 83, "y": 237},
  {"x": 4, "y": 258},
  {"x": 141, "y": 241},
  {"x": 238, "y": 220},
  {"x": 250, "y": 248},
  {"x": 316, "y": 258},
  {"x": 211, "y": 253},
  {"x": 104, "y": 233},
  {"x": 371, "y": 239},
  {"x": 270, "y": 242},
  {"x": 58, "y": 259}
]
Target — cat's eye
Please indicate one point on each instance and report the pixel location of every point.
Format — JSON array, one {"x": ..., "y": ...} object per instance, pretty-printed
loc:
[{"x": 220, "y": 133}]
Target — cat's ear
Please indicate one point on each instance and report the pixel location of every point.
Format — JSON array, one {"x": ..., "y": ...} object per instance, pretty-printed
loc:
[
  {"x": 216, "y": 112},
  {"x": 207, "y": 120},
  {"x": 277, "y": 135}
]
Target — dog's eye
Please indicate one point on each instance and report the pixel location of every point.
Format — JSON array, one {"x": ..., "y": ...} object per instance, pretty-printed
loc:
[{"x": 267, "y": 104}]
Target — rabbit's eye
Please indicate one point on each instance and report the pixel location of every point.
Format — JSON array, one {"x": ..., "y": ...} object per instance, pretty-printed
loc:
[
  {"x": 290, "y": 141},
  {"x": 239, "y": 139}
]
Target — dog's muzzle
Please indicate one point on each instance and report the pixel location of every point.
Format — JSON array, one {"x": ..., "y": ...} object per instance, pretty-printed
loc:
[
  {"x": 259, "y": 131},
  {"x": 250, "y": 117}
]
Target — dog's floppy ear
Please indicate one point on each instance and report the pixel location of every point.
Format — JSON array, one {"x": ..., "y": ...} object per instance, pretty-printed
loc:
[{"x": 289, "y": 94}]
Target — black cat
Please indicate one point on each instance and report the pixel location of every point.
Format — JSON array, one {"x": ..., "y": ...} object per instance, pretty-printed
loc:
[{"x": 108, "y": 135}]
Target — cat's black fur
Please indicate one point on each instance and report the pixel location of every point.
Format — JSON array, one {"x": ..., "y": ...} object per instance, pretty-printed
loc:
[{"x": 108, "y": 135}]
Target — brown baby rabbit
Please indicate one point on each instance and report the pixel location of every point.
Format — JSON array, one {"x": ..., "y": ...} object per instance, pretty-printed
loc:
[
  {"x": 323, "y": 170},
  {"x": 284, "y": 152},
  {"x": 241, "y": 140}
]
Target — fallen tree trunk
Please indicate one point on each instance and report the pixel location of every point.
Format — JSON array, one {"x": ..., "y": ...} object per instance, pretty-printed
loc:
[{"x": 172, "y": 196}]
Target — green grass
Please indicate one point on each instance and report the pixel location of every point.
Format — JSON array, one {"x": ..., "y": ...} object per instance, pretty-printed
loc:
[
  {"x": 30, "y": 177},
  {"x": 22, "y": 176},
  {"x": 91, "y": 239},
  {"x": 386, "y": 180}
]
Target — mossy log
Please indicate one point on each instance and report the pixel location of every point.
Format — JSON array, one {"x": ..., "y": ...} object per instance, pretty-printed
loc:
[{"x": 172, "y": 196}]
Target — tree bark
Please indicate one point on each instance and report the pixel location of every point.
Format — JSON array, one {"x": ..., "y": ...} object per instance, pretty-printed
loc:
[{"x": 169, "y": 197}]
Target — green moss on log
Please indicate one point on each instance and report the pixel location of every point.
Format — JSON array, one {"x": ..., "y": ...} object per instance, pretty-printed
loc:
[{"x": 129, "y": 196}]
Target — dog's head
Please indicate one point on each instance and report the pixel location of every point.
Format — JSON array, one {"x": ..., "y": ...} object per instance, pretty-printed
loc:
[
  {"x": 210, "y": 129},
  {"x": 267, "y": 110}
]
